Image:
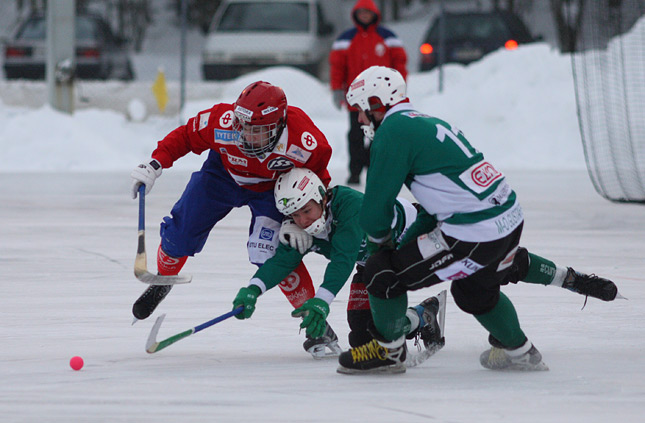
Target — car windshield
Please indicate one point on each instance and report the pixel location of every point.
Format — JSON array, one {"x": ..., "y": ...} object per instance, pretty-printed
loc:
[
  {"x": 263, "y": 16},
  {"x": 471, "y": 27},
  {"x": 35, "y": 29}
]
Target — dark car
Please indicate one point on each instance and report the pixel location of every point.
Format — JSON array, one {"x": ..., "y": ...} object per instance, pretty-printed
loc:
[
  {"x": 99, "y": 53},
  {"x": 470, "y": 36}
]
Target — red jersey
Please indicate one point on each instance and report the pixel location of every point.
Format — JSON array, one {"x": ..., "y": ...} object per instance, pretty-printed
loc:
[
  {"x": 301, "y": 144},
  {"x": 358, "y": 48}
]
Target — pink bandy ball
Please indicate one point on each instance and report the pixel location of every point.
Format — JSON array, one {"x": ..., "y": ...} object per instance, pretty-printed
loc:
[{"x": 76, "y": 363}]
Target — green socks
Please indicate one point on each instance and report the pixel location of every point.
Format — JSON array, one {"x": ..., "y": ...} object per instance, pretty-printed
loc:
[
  {"x": 389, "y": 316},
  {"x": 544, "y": 272},
  {"x": 502, "y": 323}
]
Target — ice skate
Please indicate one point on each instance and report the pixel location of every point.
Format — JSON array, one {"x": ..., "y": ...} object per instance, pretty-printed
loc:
[
  {"x": 325, "y": 346},
  {"x": 590, "y": 285},
  {"x": 149, "y": 300},
  {"x": 374, "y": 357},
  {"x": 429, "y": 335},
  {"x": 523, "y": 358}
]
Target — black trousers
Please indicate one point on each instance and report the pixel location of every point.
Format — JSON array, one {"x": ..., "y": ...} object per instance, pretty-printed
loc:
[
  {"x": 359, "y": 155},
  {"x": 476, "y": 269}
]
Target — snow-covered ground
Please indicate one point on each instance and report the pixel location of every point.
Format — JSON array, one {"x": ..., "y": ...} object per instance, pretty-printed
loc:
[{"x": 68, "y": 241}]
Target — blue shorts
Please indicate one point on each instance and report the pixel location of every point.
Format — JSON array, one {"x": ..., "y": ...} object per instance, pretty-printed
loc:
[{"x": 209, "y": 196}]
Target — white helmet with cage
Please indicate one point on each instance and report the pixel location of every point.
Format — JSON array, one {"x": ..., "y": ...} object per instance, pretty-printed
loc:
[
  {"x": 374, "y": 88},
  {"x": 376, "y": 82},
  {"x": 294, "y": 189}
]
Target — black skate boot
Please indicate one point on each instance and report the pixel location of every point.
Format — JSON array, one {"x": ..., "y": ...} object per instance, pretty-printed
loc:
[
  {"x": 149, "y": 300},
  {"x": 374, "y": 357},
  {"x": 523, "y": 358},
  {"x": 590, "y": 285},
  {"x": 430, "y": 332},
  {"x": 317, "y": 347}
]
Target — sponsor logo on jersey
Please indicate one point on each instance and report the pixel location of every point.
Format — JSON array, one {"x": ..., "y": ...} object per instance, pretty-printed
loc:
[
  {"x": 268, "y": 110},
  {"x": 459, "y": 270},
  {"x": 303, "y": 183},
  {"x": 279, "y": 148},
  {"x": 222, "y": 150},
  {"x": 267, "y": 234},
  {"x": 480, "y": 176},
  {"x": 243, "y": 113},
  {"x": 280, "y": 163},
  {"x": 443, "y": 260},
  {"x": 414, "y": 114},
  {"x": 203, "y": 120},
  {"x": 501, "y": 194},
  {"x": 357, "y": 84},
  {"x": 510, "y": 219},
  {"x": 297, "y": 153},
  {"x": 290, "y": 283},
  {"x": 431, "y": 244},
  {"x": 226, "y": 120},
  {"x": 224, "y": 136},
  {"x": 237, "y": 161},
  {"x": 308, "y": 141}
]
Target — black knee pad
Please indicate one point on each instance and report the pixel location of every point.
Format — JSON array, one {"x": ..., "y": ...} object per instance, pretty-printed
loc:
[
  {"x": 520, "y": 267},
  {"x": 379, "y": 277},
  {"x": 472, "y": 298}
]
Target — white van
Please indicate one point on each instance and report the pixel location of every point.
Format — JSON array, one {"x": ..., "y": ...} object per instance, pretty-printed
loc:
[{"x": 247, "y": 35}]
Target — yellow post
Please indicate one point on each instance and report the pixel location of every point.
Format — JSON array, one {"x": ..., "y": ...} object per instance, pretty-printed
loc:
[{"x": 160, "y": 91}]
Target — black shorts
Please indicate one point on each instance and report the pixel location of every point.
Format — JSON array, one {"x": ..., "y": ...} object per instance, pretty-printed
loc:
[{"x": 476, "y": 269}]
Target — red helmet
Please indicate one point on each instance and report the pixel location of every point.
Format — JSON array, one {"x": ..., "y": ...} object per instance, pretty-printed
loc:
[{"x": 260, "y": 116}]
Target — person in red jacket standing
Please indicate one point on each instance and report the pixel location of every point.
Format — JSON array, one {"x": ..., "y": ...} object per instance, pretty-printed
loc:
[
  {"x": 356, "y": 49},
  {"x": 250, "y": 144}
]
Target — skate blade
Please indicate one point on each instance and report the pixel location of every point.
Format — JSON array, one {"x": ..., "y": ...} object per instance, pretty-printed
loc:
[
  {"x": 320, "y": 352},
  {"x": 391, "y": 369},
  {"x": 414, "y": 359}
]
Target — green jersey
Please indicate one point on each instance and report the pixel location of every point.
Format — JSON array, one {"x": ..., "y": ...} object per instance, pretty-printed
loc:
[
  {"x": 449, "y": 178},
  {"x": 343, "y": 243}
]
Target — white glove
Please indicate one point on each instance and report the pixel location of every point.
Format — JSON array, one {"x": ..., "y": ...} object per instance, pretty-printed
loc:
[
  {"x": 293, "y": 235},
  {"x": 145, "y": 174}
]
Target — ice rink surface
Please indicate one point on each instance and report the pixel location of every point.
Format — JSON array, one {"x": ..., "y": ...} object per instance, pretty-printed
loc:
[{"x": 68, "y": 242}]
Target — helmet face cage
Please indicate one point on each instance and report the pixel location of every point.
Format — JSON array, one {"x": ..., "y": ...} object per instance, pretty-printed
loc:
[
  {"x": 255, "y": 140},
  {"x": 260, "y": 116},
  {"x": 385, "y": 84},
  {"x": 296, "y": 188}
]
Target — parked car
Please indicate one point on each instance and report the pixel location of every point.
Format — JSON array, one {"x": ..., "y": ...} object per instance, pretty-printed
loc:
[
  {"x": 99, "y": 53},
  {"x": 470, "y": 36},
  {"x": 248, "y": 35}
]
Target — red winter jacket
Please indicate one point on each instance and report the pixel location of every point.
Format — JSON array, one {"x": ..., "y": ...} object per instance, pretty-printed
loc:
[{"x": 358, "y": 48}]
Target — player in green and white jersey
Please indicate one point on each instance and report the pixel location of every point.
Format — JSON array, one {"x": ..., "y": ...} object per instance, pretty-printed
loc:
[
  {"x": 325, "y": 221},
  {"x": 474, "y": 244}
]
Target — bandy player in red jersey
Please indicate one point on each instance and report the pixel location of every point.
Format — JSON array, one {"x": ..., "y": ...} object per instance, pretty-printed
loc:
[{"x": 251, "y": 143}]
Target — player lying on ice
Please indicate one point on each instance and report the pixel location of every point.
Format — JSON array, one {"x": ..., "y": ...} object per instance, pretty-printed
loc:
[
  {"x": 249, "y": 143},
  {"x": 325, "y": 221},
  {"x": 474, "y": 244}
]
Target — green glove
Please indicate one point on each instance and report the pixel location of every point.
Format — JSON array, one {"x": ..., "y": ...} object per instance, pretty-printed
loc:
[
  {"x": 246, "y": 297},
  {"x": 314, "y": 314}
]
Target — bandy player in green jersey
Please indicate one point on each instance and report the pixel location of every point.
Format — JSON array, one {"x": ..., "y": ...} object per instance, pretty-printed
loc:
[
  {"x": 474, "y": 244},
  {"x": 325, "y": 221}
]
